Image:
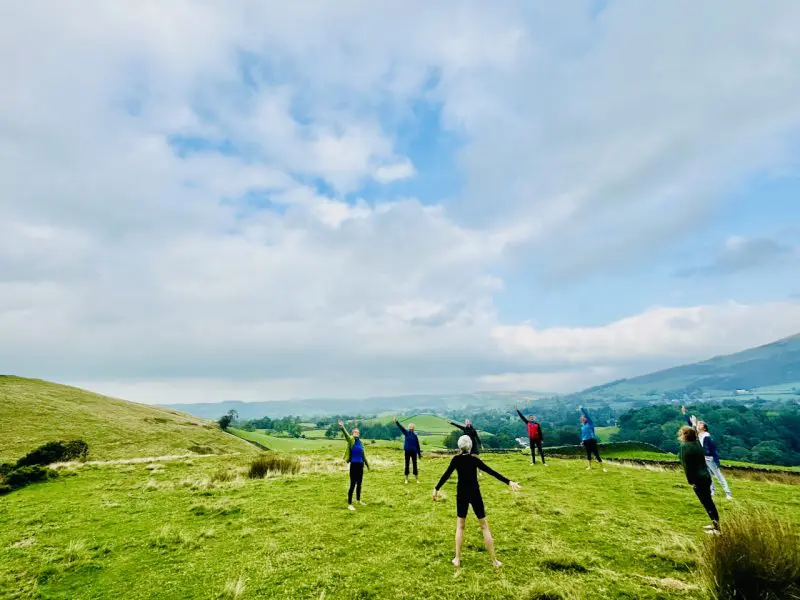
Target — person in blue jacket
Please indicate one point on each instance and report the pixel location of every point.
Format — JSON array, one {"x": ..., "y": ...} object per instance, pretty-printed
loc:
[
  {"x": 710, "y": 451},
  {"x": 411, "y": 446},
  {"x": 589, "y": 438}
]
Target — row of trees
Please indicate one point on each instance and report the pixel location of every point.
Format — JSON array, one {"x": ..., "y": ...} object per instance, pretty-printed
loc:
[{"x": 762, "y": 432}]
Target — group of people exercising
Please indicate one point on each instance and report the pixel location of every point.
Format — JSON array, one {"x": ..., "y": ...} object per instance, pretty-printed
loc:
[{"x": 698, "y": 456}]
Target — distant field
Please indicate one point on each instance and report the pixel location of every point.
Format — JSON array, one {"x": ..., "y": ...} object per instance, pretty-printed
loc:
[
  {"x": 428, "y": 424},
  {"x": 287, "y": 444},
  {"x": 604, "y": 433},
  {"x": 33, "y": 412}
]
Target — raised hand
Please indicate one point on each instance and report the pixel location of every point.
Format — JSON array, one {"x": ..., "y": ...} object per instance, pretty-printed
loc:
[
  {"x": 341, "y": 423},
  {"x": 683, "y": 409}
]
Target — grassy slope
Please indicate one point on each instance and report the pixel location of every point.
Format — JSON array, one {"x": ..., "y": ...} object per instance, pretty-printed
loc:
[
  {"x": 33, "y": 412},
  {"x": 124, "y": 531},
  {"x": 604, "y": 433}
]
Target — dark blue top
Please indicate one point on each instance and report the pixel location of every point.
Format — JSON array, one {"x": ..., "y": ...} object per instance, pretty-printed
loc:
[
  {"x": 709, "y": 445},
  {"x": 357, "y": 453},
  {"x": 411, "y": 441}
]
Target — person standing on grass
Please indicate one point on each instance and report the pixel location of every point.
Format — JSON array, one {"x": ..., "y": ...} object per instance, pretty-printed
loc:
[
  {"x": 411, "y": 447},
  {"x": 710, "y": 452},
  {"x": 468, "y": 493},
  {"x": 535, "y": 436},
  {"x": 589, "y": 438},
  {"x": 354, "y": 454},
  {"x": 695, "y": 468},
  {"x": 469, "y": 430}
]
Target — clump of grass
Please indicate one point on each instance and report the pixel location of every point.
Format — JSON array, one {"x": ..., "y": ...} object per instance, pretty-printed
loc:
[
  {"x": 199, "y": 449},
  {"x": 168, "y": 536},
  {"x": 270, "y": 462},
  {"x": 76, "y": 551},
  {"x": 223, "y": 476},
  {"x": 560, "y": 564},
  {"x": 756, "y": 557},
  {"x": 233, "y": 590}
]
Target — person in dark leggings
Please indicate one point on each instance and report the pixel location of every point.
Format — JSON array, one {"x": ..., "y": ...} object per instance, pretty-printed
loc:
[
  {"x": 693, "y": 461},
  {"x": 468, "y": 493},
  {"x": 589, "y": 438},
  {"x": 411, "y": 447},
  {"x": 354, "y": 454},
  {"x": 535, "y": 436},
  {"x": 469, "y": 430}
]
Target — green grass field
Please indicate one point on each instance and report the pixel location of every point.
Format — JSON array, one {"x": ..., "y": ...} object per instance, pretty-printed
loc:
[
  {"x": 170, "y": 531},
  {"x": 33, "y": 412},
  {"x": 604, "y": 433}
]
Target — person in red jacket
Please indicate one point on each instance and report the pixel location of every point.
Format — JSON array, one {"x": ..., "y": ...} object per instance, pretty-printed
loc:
[{"x": 535, "y": 436}]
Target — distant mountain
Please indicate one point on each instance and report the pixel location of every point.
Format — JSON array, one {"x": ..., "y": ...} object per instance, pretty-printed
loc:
[
  {"x": 770, "y": 371},
  {"x": 369, "y": 406}
]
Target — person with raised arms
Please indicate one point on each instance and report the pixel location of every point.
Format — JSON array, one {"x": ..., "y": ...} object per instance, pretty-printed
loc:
[
  {"x": 355, "y": 455},
  {"x": 589, "y": 438},
  {"x": 469, "y": 430},
  {"x": 535, "y": 436},
  {"x": 710, "y": 451},
  {"x": 693, "y": 461},
  {"x": 411, "y": 447},
  {"x": 468, "y": 493}
]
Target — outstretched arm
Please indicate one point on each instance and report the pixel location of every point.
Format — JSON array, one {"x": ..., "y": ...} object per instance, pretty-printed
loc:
[
  {"x": 523, "y": 417},
  {"x": 446, "y": 475},
  {"x": 454, "y": 424},
  {"x": 586, "y": 414},
  {"x": 403, "y": 429},
  {"x": 347, "y": 436},
  {"x": 486, "y": 469}
]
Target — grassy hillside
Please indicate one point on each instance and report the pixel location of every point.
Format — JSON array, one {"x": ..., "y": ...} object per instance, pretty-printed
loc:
[
  {"x": 33, "y": 412},
  {"x": 199, "y": 529},
  {"x": 771, "y": 370},
  {"x": 428, "y": 424}
]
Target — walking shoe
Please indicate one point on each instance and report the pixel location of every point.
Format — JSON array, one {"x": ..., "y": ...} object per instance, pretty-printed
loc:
[
  {"x": 406, "y": 481},
  {"x": 362, "y": 503},
  {"x": 712, "y": 531},
  {"x": 350, "y": 507},
  {"x": 708, "y": 527}
]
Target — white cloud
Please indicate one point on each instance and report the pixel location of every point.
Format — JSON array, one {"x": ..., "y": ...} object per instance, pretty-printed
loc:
[
  {"x": 175, "y": 184},
  {"x": 394, "y": 172}
]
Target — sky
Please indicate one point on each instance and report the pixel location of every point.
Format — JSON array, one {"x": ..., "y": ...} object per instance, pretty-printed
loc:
[{"x": 262, "y": 200}]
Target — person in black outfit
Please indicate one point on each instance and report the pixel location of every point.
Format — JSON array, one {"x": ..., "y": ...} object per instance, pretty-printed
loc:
[
  {"x": 469, "y": 430},
  {"x": 411, "y": 446},
  {"x": 468, "y": 492},
  {"x": 694, "y": 466},
  {"x": 535, "y": 436}
]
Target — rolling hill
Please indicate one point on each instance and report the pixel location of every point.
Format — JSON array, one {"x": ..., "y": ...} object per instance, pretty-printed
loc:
[
  {"x": 769, "y": 371},
  {"x": 33, "y": 412}
]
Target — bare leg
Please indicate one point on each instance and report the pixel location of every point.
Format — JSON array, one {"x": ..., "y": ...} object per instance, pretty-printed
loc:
[
  {"x": 459, "y": 541},
  {"x": 487, "y": 539}
]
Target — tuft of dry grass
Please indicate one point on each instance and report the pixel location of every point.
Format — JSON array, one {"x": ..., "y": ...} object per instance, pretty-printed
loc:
[
  {"x": 233, "y": 590},
  {"x": 271, "y": 462},
  {"x": 756, "y": 557}
]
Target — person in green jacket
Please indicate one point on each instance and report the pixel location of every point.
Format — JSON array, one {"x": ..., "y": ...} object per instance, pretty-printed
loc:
[
  {"x": 354, "y": 454},
  {"x": 693, "y": 461}
]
